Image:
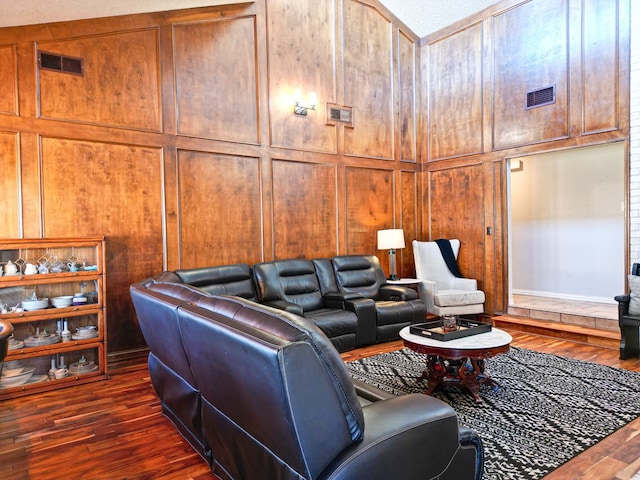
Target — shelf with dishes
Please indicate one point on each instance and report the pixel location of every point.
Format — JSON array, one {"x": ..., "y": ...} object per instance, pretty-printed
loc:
[
  {"x": 31, "y": 336},
  {"x": 53, "y": 293},
  {"x": 27, "y": 300},
  {"x": 24, "y": 374}
]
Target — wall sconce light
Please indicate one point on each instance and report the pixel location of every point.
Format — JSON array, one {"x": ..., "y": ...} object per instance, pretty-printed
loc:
[
  {"x": 391, "y": 239},
  {"x": 299, "y": 108}
]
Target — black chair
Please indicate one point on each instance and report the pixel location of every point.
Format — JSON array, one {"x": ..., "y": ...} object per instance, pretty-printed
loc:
[
  {"x": 396, "y": 306},
  {"x": 293, "y": 285},
  {"x": 629, "y": 328}
]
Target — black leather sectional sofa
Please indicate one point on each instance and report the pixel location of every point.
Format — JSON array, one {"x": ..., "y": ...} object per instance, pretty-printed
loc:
[
  {"x": 261, "y": 393},
  {"x": 347, "y": 296}
]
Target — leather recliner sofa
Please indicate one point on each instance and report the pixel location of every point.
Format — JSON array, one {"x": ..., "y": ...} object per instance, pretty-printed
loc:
[
  {"x": 261, "y": 393},
  {"x": 347, "y": 297}
]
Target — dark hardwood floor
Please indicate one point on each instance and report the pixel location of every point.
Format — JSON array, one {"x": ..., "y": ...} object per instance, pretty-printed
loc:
[{"x": 115, "y": 429}]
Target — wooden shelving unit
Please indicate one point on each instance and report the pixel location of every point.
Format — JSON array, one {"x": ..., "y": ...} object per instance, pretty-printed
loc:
[{"x": 56, "y": 278}]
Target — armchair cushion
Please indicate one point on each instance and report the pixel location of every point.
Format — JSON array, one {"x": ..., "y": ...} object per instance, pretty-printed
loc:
[
  {"x": 449, "y": 298},
  {"x": 634, "y": 302}
]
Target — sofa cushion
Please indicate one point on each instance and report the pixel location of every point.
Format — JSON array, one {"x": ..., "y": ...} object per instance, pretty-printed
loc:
[
  {"x": 359, "y": 273},
  {"x": 294, "y": 281},
  {"x": 634, "y": 287},
  {"x": 448, "y": 298},
  {"x": 221, "y": 280}
]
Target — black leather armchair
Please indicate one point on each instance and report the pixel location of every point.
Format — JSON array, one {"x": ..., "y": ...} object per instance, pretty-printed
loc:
[
  {"x": 293, "y": 285},
  {"x": 629, "y": 329},
  {"x": 396, "y": 306}
]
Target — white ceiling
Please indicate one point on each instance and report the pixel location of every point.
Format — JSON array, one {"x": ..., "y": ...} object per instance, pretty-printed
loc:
[
  {"x": 426, "y": 16},
  {"x": 421, "y": 16}
]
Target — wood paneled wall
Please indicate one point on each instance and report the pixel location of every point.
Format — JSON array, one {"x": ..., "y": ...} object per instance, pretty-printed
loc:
[
  {"x": 477, "y": 74},
  {"x": 179, "y": 144}
]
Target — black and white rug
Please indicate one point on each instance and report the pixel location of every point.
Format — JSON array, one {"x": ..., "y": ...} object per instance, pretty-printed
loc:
[{"x": 545, "y": 410}]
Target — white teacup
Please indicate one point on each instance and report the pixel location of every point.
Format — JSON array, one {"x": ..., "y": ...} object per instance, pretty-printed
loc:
[{"x": 61, "y": 373}]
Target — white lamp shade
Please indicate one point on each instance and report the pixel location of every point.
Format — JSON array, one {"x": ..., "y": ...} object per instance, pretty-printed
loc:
[{"x": 390, "y": 239}]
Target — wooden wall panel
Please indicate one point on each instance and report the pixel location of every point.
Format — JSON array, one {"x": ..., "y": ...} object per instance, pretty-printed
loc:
[
  {"x": 601, "y": 73},
  {"x": 305, "y": 210},
  {"x": 8, "y": 76},
  {"x": 120, "y": 86},
  {"x": 531, "y": 53},
  {"x": 369, "y": 207},
  {"x": 302, "y": 59},
  {"x": 90, "y": 189},
  {"x": 9, "y": 181},
  {"x": 220, "y": 209},
  {"x": 407, "y": 83},
  {"x": 216, "y": 79},
  {"x": 409, "y": 222},
  {"x": 455, "y": 94},
  {"x": 368, "y": 81},
  {"x": 457, "y": 211}
]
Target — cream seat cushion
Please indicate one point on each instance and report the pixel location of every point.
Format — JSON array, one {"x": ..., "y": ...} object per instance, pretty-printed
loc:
[{"x": 452, "y": 297}]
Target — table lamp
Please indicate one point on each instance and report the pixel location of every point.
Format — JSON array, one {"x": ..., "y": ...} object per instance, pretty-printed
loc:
[{"x": 390, "y": 240}]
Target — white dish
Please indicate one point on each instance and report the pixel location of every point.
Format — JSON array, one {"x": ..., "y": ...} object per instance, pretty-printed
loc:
[
  {"x": 18, "y": 379},
  {"x": 38, "y": 341},
  {"x": 15, "y": 344},
  {"x": 78, "y": 369},
  {"x": 84, "y": 336},
  {"x": 11, "y": 372},
  {"x": 61, "y": 302},
  {"x": 35, "y": 304}
]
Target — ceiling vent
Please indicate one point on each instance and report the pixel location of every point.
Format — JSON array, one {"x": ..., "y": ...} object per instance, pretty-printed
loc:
[
  {"x": 60, "y": 63},
  {"x": 544, "y": 96}
]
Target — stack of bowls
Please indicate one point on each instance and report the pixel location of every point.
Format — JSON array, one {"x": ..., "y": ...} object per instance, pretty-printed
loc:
[
  {"x": 13, "y": 374},
  {"x": 82, "y": 333}
]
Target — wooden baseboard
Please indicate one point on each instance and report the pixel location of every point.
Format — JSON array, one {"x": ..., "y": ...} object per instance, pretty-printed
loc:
[
  {"x": 576, "y": 333},
  {"x": 127, "y": 358}
]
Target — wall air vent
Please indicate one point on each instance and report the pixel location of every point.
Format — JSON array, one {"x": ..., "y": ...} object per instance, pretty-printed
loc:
[
  {"x": 60, "y": 63},
  {"x": 544, "y": 96}
]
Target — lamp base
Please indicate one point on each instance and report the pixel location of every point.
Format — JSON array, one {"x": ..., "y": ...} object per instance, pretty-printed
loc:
[{"x": 393, "y": 277}]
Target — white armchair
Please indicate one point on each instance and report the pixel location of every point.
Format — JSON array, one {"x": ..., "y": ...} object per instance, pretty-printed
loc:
[{"x": 442, "y": 292}]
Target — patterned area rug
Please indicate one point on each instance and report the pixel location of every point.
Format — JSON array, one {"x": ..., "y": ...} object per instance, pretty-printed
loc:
[{"x": 545, "y": 410}]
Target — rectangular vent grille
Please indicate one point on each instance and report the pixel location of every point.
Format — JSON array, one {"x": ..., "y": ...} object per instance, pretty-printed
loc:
[
  {"x": 544, "y": 96},
  {"x": 60, "y": 63}
]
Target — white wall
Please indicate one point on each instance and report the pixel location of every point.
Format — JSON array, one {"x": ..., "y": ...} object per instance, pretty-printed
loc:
[
  {"x": 567, "y": 224},
  {"x": 634, "y": 141}
]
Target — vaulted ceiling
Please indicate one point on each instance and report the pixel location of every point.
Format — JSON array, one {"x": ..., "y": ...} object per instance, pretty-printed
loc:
[{"x": 421, "y": 16}]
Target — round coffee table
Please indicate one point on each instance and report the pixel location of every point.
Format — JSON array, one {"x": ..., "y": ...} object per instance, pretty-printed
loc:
[{"x": 460, "y": 361}]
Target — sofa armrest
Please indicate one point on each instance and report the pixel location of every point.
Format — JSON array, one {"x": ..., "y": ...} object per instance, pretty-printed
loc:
[
  {"x": 365, "y": 310},
  {"x": 369, "y": 392},
  {"x": 398, "y": 433},
  {"x": 427, "y": 289},
  {"x": 623, "y": 304},
  {"x": 286, "y": 306},
  {"x": 397, "y": 292},
  {"x": 338, "y": 300}
]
